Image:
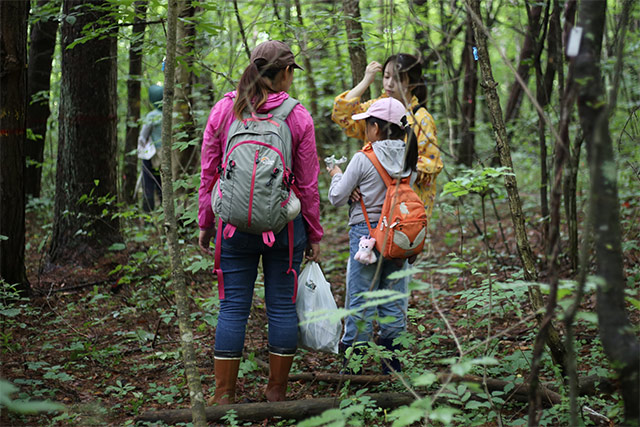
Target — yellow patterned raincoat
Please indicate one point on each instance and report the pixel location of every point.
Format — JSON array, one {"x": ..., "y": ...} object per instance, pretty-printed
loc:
[{"x": 429, "y": 161}]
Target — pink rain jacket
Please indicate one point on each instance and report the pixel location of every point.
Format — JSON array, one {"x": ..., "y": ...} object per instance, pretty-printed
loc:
[{"x": 305, "y": 159}]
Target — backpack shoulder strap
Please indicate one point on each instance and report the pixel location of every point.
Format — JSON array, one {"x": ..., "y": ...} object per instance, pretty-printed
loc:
[
  {"x": 388, "y": 182},
  {"x": 283, "y": 110},
  {"x": 371, "y": 155}
]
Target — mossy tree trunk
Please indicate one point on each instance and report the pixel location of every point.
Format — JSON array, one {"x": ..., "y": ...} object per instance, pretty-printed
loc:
[
  {"x": 171, "y": 227},
  {"x": 489, "y": 85},
  {"x": 616, "y": 332}
]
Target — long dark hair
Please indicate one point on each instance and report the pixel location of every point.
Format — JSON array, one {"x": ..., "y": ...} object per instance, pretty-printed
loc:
[
  {"x": 393, "y": 131},
  {"x": 252, "y": 89},
  {"x": 410, "y": 67}
]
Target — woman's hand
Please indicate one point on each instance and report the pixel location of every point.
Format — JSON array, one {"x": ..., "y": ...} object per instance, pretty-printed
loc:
[
  {"x": 370, "y": 72},
  {"x": 369, "y": 76},
  {"x": 204, "y": 239},
  {"x": 312, "y": 253}
]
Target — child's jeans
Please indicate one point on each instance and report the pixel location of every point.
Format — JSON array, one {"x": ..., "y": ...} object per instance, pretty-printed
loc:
[{"x": 359, "y": 326}]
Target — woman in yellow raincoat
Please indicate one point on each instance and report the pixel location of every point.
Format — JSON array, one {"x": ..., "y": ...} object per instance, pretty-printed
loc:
[{"x": 402, "y": 80}]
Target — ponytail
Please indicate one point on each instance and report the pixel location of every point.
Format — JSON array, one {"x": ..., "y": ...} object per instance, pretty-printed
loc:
[
  {"x": 404, "y": 132},
  {"x": 253, "y": 90},
  {"x": 411, "y": 147}
]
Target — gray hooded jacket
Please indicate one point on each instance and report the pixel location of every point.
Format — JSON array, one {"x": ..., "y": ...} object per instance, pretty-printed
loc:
[{"x": 361, "y": 173}]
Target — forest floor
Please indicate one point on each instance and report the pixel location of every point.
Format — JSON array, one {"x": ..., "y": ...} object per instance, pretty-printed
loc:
[{"x": 103, "y": 340}]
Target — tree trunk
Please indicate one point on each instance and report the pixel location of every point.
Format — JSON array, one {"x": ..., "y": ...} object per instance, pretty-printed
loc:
[
  {"x": 171, "y": 227},
  {"x": 516, "y": 91},
  {"x": 41, "y": 46},
  {"x": 542, "y": 97},
  {"x": 355, "y": 43},
  {"x": 524, "y": 249},
  {"x": 185, "y": 161},
  {"x": 130, "y": 170},
  {"x": 618, "y": 339},
  {"x": 308, "y": 71},
  {"x": 571, "y": 177},
  {"x": 13, "y": 96},
  {"x": 466, "y": 148},
  {"x": 84, "y": 226}
]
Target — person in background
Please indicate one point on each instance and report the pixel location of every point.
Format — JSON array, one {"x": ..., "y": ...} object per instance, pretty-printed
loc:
[
  {"x": 149, "y": 150},
  {"x": 386, "y": 128},
  {"x": 262, "y": 87},
  {"x": 402, "y": 79}
]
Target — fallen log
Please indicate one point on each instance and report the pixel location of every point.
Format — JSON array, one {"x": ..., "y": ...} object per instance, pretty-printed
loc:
[
  {"x": 519, "y": 391},
  {"x": 336, "y": 378},
  {"x": 295, "y": 409},
  {"x": 301, "y": 409}
]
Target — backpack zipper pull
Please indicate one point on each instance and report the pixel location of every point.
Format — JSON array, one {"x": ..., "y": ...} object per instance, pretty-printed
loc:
[
  {"x": 231, "y": 165},
  {"x": 274, "y": 174}
]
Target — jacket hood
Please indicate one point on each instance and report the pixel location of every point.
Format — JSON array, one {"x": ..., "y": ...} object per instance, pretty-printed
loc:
[
  {"x": 273, "y": 100},
  {"x": 390, "y": 154}
]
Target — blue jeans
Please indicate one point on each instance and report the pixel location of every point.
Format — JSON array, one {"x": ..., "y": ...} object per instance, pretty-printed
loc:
[
  {"x": 359, "y": 326},
  {"x": 151, "y": 185},
  {"x": 239, "y": 258}
]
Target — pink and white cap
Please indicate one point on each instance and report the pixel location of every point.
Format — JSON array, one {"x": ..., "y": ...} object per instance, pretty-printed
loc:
[{"x": 388, "y": 109}]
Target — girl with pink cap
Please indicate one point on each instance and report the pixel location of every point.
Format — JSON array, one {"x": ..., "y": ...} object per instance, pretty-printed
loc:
[{"x": 386, "y": 127}]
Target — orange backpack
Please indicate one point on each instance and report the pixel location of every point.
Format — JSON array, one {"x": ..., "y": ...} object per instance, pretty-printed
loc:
[{"x": 402, "y": 227}]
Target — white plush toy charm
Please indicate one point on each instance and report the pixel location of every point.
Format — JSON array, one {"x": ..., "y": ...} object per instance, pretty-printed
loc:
[{"x": 365, "y": 254}]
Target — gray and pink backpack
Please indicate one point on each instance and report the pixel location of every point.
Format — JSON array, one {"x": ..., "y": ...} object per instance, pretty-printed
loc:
[{"x": 255, "y": 191}]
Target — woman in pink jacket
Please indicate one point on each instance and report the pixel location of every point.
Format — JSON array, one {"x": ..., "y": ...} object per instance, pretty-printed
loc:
[{"x": 262, "y": 87}]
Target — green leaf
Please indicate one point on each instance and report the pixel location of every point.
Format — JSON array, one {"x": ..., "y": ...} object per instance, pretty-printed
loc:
[
  {"x": 10, "y": 312},
  {"x": 406, "y": 415},
  {"x": 425, "y": 379},
  {"x": 588, "y": 317},
  {"x": 633, "y": 301},
  {"x": 444, "y": 414}
]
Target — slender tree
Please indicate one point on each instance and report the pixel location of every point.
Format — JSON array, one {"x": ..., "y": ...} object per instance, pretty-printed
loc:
[
  {"x": 618, "y": 338},
  {"x": 41, "y": 47},
  {"x": 527, "y": 52},
  {"x": 13, "y": 107},
  {"x": 466, "y": 147},
  {"x": 84, "y": 225},
  {"x": 186, "y": 160},
  {"x": 517, "y": 216},
  {"x": 130, "y": 169},
  {"x": 355, "y": 43},
  {"x": 311, "y": 84},
  {"x": 542, "y": 97},
  {"x": 571, "y": 176},
  {"x": 178, "y": 281}
]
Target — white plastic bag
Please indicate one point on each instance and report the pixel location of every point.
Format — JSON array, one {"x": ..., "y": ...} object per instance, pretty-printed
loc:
[
  {"x": 315, "y": 304},
  {"x": 146, "y": 150}
]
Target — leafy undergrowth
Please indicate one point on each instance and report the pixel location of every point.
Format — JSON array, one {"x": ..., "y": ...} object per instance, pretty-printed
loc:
[{"x": 104, "y": 342}]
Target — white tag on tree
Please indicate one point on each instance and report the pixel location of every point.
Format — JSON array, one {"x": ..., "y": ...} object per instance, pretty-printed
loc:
[{"x": 573, "y": 47}]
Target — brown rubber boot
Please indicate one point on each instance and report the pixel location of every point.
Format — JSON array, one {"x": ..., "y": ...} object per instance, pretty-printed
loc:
[
  {"x": 279, "y": 366},
  {"x": 226, "y": 373}
]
